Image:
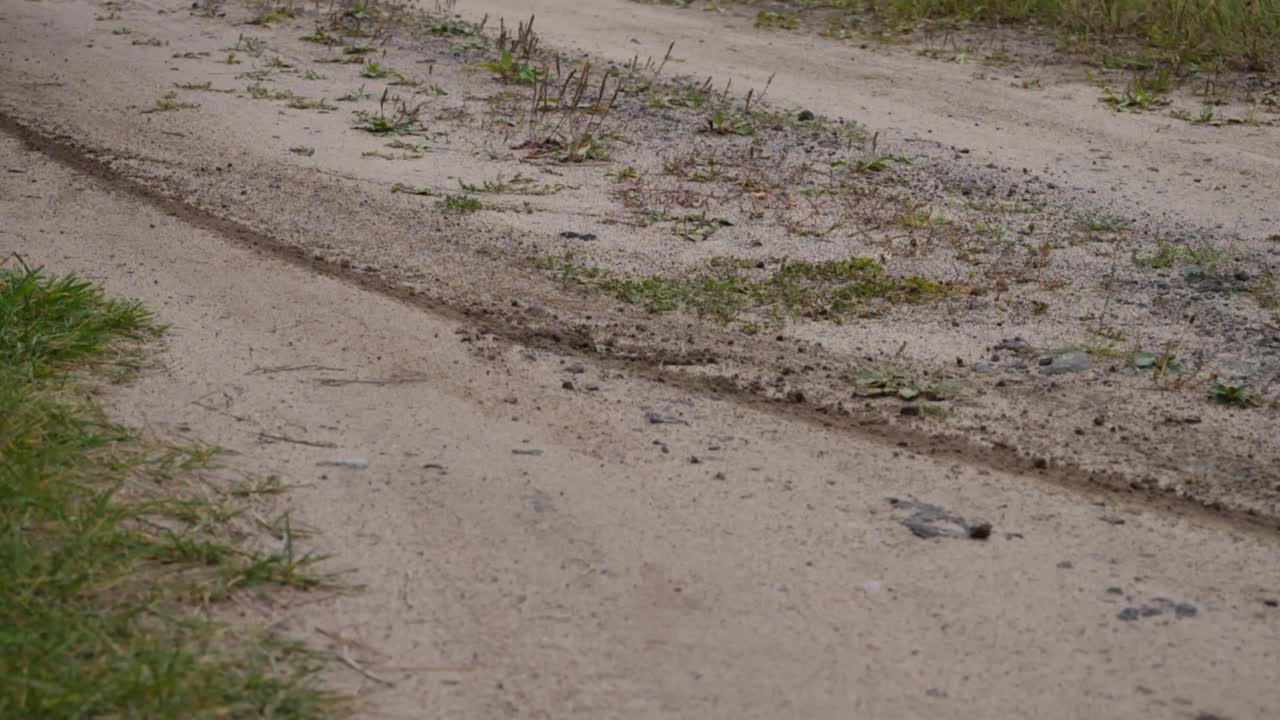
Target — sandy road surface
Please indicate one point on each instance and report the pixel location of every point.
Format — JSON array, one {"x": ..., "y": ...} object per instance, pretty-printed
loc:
[
  {"x": 549, "y": 535},
  {"x": 536, "y": 551}
]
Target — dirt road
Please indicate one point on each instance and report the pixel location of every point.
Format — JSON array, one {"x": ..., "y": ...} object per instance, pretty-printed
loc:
[{"x": 545, "y": 529}]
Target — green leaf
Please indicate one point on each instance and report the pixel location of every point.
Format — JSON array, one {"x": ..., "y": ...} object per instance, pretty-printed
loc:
[{"x": 946, "y": 390}]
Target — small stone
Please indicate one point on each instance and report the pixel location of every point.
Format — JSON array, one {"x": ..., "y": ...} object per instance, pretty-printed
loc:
[
  {"x": 805, "y": 115},
  {"x": 910, "y": 410},
  {"x": 354, "y": 463},
  {"x": 981, "y": 531},
  {"x": 1075, "y": 361},
  {"x": 1066, "y": 565},
  {"x": 1115, "y": 591},
  {"x": 1112, "y": 519},
  {"x": 1242, "y": 276},
  {"x": 659, "y": 419},
  {"x": 567, "y": 385}
]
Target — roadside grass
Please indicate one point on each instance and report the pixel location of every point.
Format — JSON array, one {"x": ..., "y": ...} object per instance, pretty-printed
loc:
[
  {"x": 1244, "y": 34},
  {"x": 115, "y": 549},
  {"x": 835, "y": 290}
]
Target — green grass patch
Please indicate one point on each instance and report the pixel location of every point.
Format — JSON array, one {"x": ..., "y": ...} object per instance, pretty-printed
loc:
[
  {"x": 114, "y": 550},
  {"x": 834, "y": 290},
  {"x": 1180, "y": 33},
  {"x": 460, "y": 203}
]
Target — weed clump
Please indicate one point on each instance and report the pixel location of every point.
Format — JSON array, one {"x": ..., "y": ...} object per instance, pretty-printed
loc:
[{"x": 835, "y": 290}]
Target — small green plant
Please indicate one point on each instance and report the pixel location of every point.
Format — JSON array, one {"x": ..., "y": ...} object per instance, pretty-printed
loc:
[
  {"x": 1204, "y": 256},
  {"x": 517, "y": 185},
  {"x": 1143, "y": 93},
  {"x": 696, "y": 228},
  {"x": 1265, "y": 292},
  {"x": 766, "y": 19},
  {"x": 1165, "y": 256},
  {"x": 624, "y": 173},
  {"x": 509, "y": 69},
  {"x": 452, "y": 26},
  {"x": 274, "y": 15},
  {"x": 169, "y": 102},
  {"x": 893, "y": 382},
  {"x": 1102, "y": 223},
  {"x": 258, "y": 91},
  {"x": 394, "y": 117},
  {"x": 1238, "y": 395},
  {"x": 355, "y": 95},
  {"x": 297, "y": 102},
  {"x": 727, "y": 122},
  {"x": 253, "y": 45},
  {"x": 1162, "y": 364},
  {"x": 321, "y": 37},
  {"x": 302, "y": 150},
  {"x": 460, "y": 203},
  {"x": 375, "y": 71}
]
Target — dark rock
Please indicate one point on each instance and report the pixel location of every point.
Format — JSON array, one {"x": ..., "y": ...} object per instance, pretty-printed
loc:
[
  {"x": 910, "y": 410},
  {"x": 1159, "y": 606},
  {"x": 805, "y": 115},
  {"x": 930, "y": 521}
]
